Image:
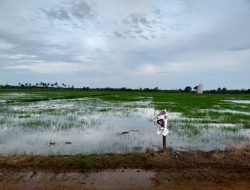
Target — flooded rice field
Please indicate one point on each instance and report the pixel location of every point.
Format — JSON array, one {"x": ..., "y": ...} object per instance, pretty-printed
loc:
[{"x": 93, "y": 125}]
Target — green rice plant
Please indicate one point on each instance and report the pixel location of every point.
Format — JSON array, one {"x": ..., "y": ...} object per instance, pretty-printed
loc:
[
  {"x": 104, "y": 109},
  {"x": 230, "y": 129},
  {"x": 36, "y": 124},
  {"x": 246, "y": 125},
  {"x": 47, "y": 111},
  {"x": 192, "y": 130},
  {"x": 3, "y": 121},
  {"x": 24, "y": 116},
  {"x": 172, "y": 124}
]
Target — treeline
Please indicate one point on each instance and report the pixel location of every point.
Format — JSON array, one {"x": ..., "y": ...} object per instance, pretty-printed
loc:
[
  {"x": 39, "y": 85},
  {"x": 56, "y": 85}
]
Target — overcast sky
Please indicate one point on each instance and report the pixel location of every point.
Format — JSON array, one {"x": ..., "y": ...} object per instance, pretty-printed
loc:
[{"x": 126, "y": 43}]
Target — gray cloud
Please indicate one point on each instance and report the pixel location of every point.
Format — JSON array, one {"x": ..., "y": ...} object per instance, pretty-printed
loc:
[
  {"x": 240, "y": 48},
  {"x": 59, "y": 14},
  {"x": 78, "y": 9},
  {"x": 138, "y": 25},
  {"x": 81, "y": 9},
  {"x": 138, "y": 44},
  {"x": 117, "y": 34},
  {"x": 144, "y": 37}
]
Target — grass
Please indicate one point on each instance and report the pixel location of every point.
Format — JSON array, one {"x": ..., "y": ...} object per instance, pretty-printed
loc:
[
  {"x": 231, "y": 157},
  {"x": 79, "y": 162}
]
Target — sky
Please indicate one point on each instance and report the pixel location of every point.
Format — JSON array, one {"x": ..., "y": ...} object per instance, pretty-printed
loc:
[{"x": 169, "y": 44}]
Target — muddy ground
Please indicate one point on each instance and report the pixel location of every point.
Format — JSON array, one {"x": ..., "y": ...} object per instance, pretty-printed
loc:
[{"x": 229, "y": 169}]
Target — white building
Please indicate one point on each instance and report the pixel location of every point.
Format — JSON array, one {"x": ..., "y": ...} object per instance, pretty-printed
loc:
[{"x": 200, "y": 89}]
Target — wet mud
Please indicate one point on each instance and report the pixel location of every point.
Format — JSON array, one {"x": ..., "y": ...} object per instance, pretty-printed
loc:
[{"x": 229, "y": 169}]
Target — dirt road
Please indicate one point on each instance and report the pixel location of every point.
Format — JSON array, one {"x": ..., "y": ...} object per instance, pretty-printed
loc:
[
  {"x": 202, "y": 178},
  {"x": 229, "y": 169}
]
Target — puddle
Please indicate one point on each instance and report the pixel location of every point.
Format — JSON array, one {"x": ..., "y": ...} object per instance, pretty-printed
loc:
[
  {"x": 107, "y": 179},
  {"x": 225, "y": 111},
  {"x": 4, "y": 97},
  {"x": 2, "y": 101},
  {"x": 238, "y": 101},
  {"x": 219, "y": 124},
  {"x": 14, "y": 95}
]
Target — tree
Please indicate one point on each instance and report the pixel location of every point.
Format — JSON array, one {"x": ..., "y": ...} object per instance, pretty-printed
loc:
[
  {"x": 156, "y": 89},
  {"x": 196, "y": 87},
  {"x": 188, "y": 89},
  {"x": 224, "y": 89}
]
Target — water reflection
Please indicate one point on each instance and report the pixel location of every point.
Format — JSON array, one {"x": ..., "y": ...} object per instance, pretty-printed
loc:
[{"x": 81, "y": 126}]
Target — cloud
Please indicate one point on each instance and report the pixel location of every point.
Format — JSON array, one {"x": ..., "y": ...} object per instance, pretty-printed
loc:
[
  {"x": 139, "y": 26},
  {"x": 17, "y": 56},
  {"x": 59, "y": 14},
  {"x": 143, "y": 38},
  {"x": 5, "y": 45},
  {"x": 83, "y": 59},
  {"x": 151, "y": 69},
  {"x": 71, "y": 9},
  {"x": 117, "y": 34},
  {"x": 56, "y": 67},
  {"x": 81, "y": 9},
  {"x": 240, "y": 48}
]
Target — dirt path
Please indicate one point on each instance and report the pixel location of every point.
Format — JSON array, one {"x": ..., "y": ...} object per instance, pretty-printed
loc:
[
  {"x": 229, "y": 169},
  {"x": 107, "y": 179},
  {"x": 202, "y": 178}
]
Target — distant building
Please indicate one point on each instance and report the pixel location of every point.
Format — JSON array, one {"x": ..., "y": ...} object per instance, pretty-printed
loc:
[{"x": 200, "y": 89}]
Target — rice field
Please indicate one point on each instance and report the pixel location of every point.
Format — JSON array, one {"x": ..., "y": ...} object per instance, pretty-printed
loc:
[{"x": 70, "y": 122}]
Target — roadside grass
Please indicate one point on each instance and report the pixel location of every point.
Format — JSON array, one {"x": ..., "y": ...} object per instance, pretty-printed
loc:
[
  {"x": 80, "y": 162},
  {"x": 231, "y": 157},
  {"x": 91, "y": 161}
]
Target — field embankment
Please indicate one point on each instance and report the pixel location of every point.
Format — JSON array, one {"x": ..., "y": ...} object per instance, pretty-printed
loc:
[{"x": 229, "y": 169}]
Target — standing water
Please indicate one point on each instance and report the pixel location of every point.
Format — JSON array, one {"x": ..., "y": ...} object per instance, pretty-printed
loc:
[{"x": 91, "y": 125}]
